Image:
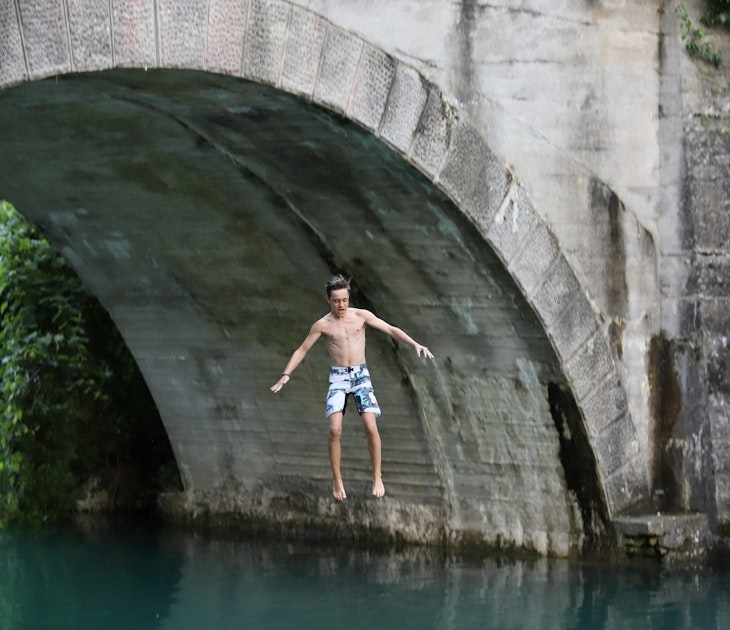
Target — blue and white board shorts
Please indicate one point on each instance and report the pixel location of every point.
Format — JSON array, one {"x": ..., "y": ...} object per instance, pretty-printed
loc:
[{"x": 353, "y": 380}]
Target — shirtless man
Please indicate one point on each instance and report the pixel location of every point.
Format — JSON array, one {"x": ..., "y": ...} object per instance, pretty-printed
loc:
[{"x": 344, "y": 330}]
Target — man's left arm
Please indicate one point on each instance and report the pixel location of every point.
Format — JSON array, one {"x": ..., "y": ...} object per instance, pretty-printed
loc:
[{"x": 396, "y": 333}]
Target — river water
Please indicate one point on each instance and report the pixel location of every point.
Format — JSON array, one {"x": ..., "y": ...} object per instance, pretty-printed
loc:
[{"x": 138, "y": 577}]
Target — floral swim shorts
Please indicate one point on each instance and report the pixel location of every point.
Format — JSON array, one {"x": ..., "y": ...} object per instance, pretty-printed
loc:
[{"x": 353, "y": 380}]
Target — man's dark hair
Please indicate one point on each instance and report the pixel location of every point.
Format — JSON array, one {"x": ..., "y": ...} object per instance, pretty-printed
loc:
[{"x": 337, "y": 282}]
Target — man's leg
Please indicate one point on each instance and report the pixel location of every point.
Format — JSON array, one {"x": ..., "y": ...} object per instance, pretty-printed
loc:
[
  {"x": 338, "y": 488},
  {"x": 371, "y": 430}
]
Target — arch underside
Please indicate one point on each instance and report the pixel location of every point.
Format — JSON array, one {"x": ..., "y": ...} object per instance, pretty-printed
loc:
[{"x": 206, "y": 221}]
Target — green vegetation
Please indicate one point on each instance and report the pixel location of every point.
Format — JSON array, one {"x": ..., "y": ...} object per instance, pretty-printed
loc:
[
  {"x": 73, "y": 403},
  {"x": 694, "y": 38},
  {"x": 718, "y": 13}
]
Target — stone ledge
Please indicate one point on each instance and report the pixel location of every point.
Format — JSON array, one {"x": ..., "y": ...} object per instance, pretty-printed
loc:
[{"x": 675, "y": 536}]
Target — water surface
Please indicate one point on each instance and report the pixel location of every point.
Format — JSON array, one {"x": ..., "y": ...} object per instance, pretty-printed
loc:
[{"x": 139, "y": 577}]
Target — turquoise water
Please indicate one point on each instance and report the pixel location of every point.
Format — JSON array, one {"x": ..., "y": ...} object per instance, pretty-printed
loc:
[{"x": 129, "y": 577}]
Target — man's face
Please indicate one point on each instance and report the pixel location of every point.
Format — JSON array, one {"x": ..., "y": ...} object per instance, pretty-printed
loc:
[{"x": 339, "y": 300}]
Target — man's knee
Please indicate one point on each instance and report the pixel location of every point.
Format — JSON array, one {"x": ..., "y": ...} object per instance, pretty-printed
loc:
[
  {"x": 335, "y": 425},
  {"x": 369, "y": 422}
]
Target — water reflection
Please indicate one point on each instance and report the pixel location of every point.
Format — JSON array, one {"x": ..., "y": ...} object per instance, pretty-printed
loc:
[
  {"x": 129, "y": 578},
  {"x": 68, "y": 578}
]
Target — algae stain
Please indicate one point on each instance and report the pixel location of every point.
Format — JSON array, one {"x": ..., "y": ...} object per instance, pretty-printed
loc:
[
  {"x": 666, "y": 406},
  {"x": 579, "y": 466}
]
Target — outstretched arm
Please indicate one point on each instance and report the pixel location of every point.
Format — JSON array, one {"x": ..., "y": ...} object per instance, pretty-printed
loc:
[
  {"x": 297, "y": 357},
  {"x": 396, "y": 333}
]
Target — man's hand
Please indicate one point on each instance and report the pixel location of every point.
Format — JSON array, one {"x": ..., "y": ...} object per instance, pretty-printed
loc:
[
  {"x": 426, "y": 352},
  {"x": 276, "y": 387}
]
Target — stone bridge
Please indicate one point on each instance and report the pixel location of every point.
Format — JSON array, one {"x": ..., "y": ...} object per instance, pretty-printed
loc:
[{"x": 537, "y": 190}]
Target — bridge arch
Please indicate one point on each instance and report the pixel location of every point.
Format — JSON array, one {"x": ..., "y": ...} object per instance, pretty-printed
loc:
[{"x": 280, "y": 44}]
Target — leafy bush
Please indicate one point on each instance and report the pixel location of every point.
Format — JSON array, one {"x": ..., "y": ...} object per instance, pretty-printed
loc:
[{"x": 73, "y": 401}]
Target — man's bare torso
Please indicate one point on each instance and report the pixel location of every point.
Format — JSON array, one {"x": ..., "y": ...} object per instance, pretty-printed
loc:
[{"x": 345, "y": 337}]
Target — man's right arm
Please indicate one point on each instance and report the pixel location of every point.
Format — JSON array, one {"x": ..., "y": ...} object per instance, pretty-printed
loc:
[{"x": 298, "y": 356}]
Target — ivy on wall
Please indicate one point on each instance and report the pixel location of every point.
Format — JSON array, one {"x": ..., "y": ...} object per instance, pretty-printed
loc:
[
  {"x": 73, "y": 402},
  {"x": 716, "y": 14}
]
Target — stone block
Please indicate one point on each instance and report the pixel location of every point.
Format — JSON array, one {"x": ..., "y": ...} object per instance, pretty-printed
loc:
[
  {"x": 711, "y": 275},
  {"x": 715, "y": 316},
  {"x": 710, "y": 191},
  {"x": 616, "y": 445},
  {"x": 226, "y": 30},
  {"x": 530, "y": 266},
  {"x": 511, "y": 225},
  {"x": 12, "y": 68},
  {"x": 591, "y": 364},
  {"x": 181, "y": 29},
  {"x": 717, "y": 413},
  {"x": 473, "y": 175},
  {"x": 720, "y": 451},
  {"x": 408, "y": 96},
  {"x": 90, "y": 31},
  {"x": 304, "y": 44},
  {"x": 263, "y": 51},
  {"x": 722, "y": 497},
  {"x": 463, "y": 162},
  {"x": 604, "y": 404},
  {"x": 371, "y": 89},
  {"x": 573, "y": 327},
  {"x": 679, "y": 540},
  {"x": 626, "y": 486},
  {"x": 718, "y": 370},
  {"x": 43, "y": 25},
  {"x": 340, "y": 60},
  {"x": 679, "y": 317},
  {"x": 672, "y": 531},
  {"x": 674, "y": 272},
  {"x": 557, "y": 290},
  {"x": 134, "y": 38},
  {"x": 493, "y": 183},
  {"x": 433, "y": 135}
]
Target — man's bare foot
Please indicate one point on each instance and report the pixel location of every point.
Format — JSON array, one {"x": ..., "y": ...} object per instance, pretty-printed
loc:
[
  {"x": 378, "y": 488},
  {"x": 338, "y": 490}
]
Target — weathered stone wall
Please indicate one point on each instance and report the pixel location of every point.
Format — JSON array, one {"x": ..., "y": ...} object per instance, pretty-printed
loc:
[{"x": 698, "y": 442}]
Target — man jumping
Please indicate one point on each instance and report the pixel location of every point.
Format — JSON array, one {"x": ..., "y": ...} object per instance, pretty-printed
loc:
[{"x": 344, "y": 329}]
